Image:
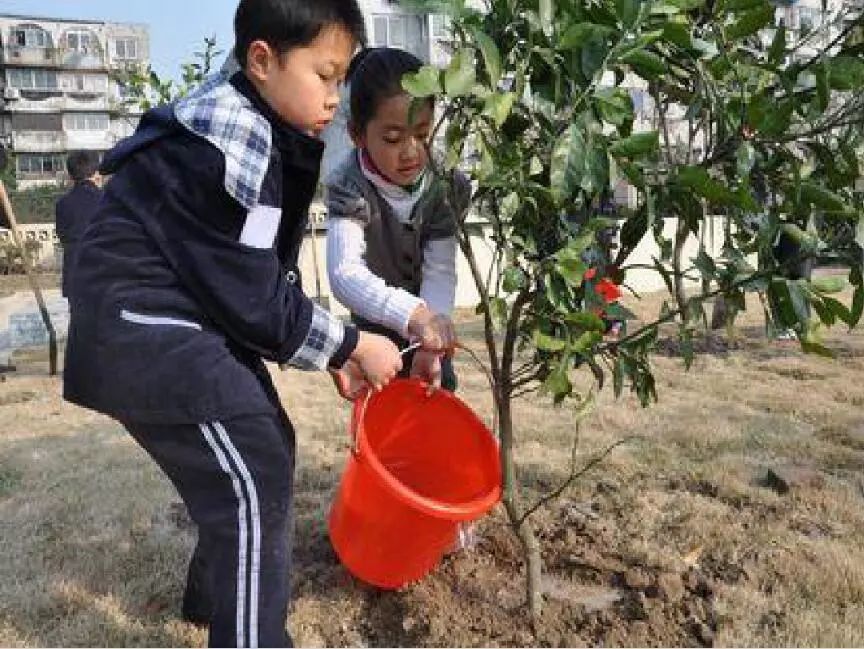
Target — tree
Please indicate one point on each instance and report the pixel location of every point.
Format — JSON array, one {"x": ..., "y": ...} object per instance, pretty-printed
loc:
[
  {"x": 538, "y": 97},
  {"x": 145, "y": 88}
]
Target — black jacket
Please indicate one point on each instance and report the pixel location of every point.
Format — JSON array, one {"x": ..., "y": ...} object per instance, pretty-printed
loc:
[
  {"x": 74, "y": 211},
  {"x": 183, "y": 280}
]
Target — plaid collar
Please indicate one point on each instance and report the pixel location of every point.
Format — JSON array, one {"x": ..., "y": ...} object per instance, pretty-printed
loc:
[
  {"x": 220, "y": 114},
  {"x": 229, "y": 113}
]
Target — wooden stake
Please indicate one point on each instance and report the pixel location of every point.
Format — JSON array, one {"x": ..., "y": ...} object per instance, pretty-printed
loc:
[{"x": 31, "y": 277}]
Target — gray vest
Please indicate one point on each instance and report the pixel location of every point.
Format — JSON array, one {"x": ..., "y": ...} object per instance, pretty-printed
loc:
[{"x": 394, "y": 251}]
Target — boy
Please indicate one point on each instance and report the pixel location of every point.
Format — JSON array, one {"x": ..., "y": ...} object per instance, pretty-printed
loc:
[
  {"x": 76, "y": 207},
  {"x": 186, "y": 278}
]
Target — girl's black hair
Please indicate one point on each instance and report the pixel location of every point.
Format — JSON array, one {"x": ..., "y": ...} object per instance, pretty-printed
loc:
[
  {"x": 284, "y": 24},
  {"x": 375, "y": 74}
]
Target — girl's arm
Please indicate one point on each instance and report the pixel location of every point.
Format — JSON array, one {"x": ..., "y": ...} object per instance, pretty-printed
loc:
[{"x": 355, "y": 286}]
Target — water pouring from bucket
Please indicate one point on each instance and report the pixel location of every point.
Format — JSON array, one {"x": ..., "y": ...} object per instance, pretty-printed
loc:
[{"x": 422, "y": 464}]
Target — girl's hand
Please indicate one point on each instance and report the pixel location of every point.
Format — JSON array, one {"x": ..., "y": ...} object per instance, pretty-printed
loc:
[
  {"x": 427, "y": 367},
  {"x": 435, "y": 331}
]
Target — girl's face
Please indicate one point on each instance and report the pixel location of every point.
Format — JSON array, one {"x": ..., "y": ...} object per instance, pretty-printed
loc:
[{"x": 397, "y": 144}]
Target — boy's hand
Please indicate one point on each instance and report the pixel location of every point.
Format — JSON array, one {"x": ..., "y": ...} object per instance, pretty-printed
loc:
[
  {"x": 435, "y": 331},
  {"x": 377, "y": 358},
  {"x": 349, "y": 381},
  {"x": 427, "y": 367}
]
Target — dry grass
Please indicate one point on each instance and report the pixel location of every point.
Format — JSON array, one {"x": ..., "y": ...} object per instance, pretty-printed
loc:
[{"x": 94, "y": 548}]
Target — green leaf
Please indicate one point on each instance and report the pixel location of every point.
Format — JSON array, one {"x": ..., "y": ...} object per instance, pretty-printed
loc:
[
  {"x": 823, "y": 92},
  {"x": 614, "y": 105},
  {"x": 577, "y": 35},
  {"x": 705, "y": 265},
  {"x": 828, "y": 285},
  {"x": 498, "y": 107},
  {"x": 627, "y": 11},
  {"x": 558, "y": 385},
  {"x": 814, "y": 194},
  {"x": 586, "y": 320},
  {"x": 812, "y": 347},
  {"x": 751, "y": 22},
  {"x": 586, "y": 341},
  {"x": 745, "y": 159},
  {"x": 697, "y": 179},
  {"x": 571, "y": 269},
  {"x": 839, "y": 310},
  {"x": 858, "y": 296},
  {"x": 491, "y": 56},
  {"x": 514, "y": 279},
  {"x": 423, "y": 83},
  {"x": 687, "y": 5},
  {"x": 548, "y": 343},
  {"x": 646, "y": 64},
  {"x": 678, "y": 34},
  {"x": 509, "y": 206},
  {"x": 568, "y": 163},
  {"x": 536, "y": 167},
  {"x": 778, "y": 46},
  {"x": 461, "y": 75},
  {"x": 635, "y": 145},
  {"x": 593, "y": 55},
  {"x": 846, "y": 72},
  {"x": 740, "y": 5}
]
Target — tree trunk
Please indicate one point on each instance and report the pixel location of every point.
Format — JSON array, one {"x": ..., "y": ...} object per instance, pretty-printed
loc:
[
  {"x": 524, "y": 529},
  {"x": 720, "y": 314},
  {"x": 681, "y": 234}
]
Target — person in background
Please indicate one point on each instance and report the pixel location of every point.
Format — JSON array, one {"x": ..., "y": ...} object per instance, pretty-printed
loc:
[{"x": 75, "y": 209}]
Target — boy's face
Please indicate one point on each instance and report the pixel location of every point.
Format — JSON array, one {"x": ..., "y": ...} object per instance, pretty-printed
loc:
[
  {"x": 302, "y": 85},
  {"x": 396, "y": 144}
]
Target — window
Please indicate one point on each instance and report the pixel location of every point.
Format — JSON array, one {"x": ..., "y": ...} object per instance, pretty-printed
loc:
[
  {"x": 85, "y": 83},
  {"x": 79, "y": 41},
  {"x": 30, "y": 36},
  {"x": 404, "y": 31},
  {"x": 808, "y": 18},
  {"x": 40, "y": 163},
  {"x": 440, "y": 27},
  {"x": 85, "y": 122},
  {"x": 126, "y": 49},
  {"x": 32, "y": 79}
]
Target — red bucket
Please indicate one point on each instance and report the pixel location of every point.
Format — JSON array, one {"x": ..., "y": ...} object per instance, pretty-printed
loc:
[{"x": 422, "y": 464}]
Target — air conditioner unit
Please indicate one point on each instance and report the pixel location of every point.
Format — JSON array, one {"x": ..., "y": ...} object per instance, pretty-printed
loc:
[{"x": 11, "y": 94}]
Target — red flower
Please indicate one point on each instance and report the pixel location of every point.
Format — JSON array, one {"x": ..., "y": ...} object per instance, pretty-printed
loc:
[{"x": 608, "y": 290}]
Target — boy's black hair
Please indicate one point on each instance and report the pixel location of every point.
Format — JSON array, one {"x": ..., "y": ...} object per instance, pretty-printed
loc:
[
  {"x": 284, "y": 24},
  {"x": 81, "y": 165},
  {"x": 375, "y": 74}
]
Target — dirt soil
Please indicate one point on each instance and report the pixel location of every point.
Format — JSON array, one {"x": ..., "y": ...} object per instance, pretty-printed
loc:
[{"x": 736, "y": 518}]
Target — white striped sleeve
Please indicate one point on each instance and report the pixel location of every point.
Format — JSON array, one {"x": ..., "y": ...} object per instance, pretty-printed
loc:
[
  {"x": 356, "y": 287},
  {"x": 438, "y": 289}
]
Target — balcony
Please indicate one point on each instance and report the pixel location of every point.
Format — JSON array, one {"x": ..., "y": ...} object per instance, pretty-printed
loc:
[
  {"x": 52, "y": 57},
  {"x": 39, "y": 142},
  {"x": 55, "y": 101}
]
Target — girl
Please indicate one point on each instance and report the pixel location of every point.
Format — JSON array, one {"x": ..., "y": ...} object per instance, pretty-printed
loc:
[{"x": 391, "y": 245}]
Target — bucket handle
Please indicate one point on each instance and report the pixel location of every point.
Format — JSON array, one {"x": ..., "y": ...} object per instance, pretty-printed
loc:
[{"x": 357, "y": 415}]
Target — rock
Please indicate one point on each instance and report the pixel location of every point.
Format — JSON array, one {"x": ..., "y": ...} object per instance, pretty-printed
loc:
[
  {"x": 670, "y": 587},
  {"x": 786, "y": 477},
  {"x": 636, "y": 579}
]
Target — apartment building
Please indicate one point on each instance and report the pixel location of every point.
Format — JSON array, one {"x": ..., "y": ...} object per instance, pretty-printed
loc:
[{"x": 60, "y": 89}]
